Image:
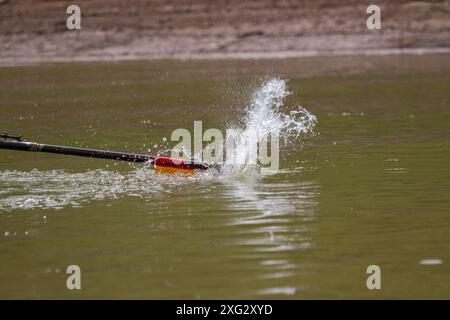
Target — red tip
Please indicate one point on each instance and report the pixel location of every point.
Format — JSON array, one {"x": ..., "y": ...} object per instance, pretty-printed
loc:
[{"x": 172, "y": 163}]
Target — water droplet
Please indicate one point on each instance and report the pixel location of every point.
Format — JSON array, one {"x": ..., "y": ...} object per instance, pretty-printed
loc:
[{"x": 430, "y": 262}]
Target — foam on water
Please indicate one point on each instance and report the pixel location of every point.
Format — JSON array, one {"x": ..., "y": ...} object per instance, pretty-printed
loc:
[{"x": 59, "y": 188}]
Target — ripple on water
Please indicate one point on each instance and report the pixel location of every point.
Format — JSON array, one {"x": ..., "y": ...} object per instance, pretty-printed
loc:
[
  {"x": 56, "y": 189},
  {"x": 269, "y": 228}
]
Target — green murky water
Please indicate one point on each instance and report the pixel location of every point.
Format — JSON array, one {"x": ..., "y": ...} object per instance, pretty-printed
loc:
[{"x": 372, "y": 187}]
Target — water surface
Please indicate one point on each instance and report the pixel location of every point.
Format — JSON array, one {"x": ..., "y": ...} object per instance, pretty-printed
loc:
[{"x": 371, "y": 187}]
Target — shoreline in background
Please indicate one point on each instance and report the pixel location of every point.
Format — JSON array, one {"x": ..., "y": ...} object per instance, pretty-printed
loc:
[
  {"x": 11, "y": 62},
  {"x": 33, "y": 32}
]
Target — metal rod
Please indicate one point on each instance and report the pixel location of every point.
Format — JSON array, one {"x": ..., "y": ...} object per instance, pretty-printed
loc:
[{"x": 82, "y": 152}]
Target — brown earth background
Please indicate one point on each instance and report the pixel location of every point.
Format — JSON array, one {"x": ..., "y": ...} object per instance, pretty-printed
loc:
[{"x": 35, "y": 30}]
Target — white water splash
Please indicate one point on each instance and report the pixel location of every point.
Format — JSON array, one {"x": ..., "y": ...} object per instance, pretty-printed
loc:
[{"x": 263, "y": 118}]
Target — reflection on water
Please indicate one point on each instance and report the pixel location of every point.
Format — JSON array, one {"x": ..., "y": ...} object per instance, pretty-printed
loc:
[{"x": 273, "y": 219}]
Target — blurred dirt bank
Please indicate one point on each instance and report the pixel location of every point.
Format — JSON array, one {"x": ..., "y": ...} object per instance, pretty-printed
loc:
[{"x": 35, "y": 30}]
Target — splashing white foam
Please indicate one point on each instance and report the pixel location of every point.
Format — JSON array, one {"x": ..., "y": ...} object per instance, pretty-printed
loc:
[
  {"x": 56, "y": 189},
  {"x": 265, "y": 117}
]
